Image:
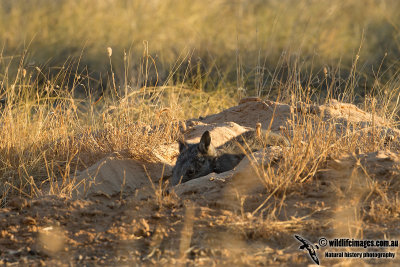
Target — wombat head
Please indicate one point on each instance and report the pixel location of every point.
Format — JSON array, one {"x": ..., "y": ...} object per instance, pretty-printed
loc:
[{"x": 194, "y": 160}]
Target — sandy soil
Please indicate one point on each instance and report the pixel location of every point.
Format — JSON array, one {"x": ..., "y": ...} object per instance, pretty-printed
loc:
[{"x": 124, "y": 215}]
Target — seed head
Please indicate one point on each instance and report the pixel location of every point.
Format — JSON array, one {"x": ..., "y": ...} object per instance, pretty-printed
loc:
[
  {"x": 109, "y": 51},
  {"x": 258, "y": 129}
]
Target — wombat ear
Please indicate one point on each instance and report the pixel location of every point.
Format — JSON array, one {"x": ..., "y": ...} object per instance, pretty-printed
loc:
[
  {"x": 182, "y": 145},
  {"x": 205, "y": 142}
]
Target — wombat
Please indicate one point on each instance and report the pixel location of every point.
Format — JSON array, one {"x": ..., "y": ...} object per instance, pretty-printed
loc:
[{"x": 196, "y": 160}]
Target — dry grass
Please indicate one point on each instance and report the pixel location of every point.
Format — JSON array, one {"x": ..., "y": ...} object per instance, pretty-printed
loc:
[
  {"x": 223, "y": 44},
  {"x": 67, "y": 101},
  {"x": 48, "y": 133}
]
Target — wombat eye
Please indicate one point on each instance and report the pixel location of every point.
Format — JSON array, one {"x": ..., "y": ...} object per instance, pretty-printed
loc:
[{"x": 189, "y": 172}]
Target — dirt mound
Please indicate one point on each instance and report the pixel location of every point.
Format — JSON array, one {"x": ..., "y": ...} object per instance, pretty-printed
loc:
[
  {"x": 220, "y": 131},
  {"x": 382, "y": 166},
  {"x": 113, "y": 174},
  {"x": 248, "y": 114}
]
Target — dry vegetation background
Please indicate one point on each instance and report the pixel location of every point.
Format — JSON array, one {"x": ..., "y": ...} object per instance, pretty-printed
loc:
[{"x": 82, "y": 78}]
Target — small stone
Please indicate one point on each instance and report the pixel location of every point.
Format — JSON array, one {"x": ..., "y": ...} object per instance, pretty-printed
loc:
[
  {"x": 29, "y": 221},
  {"x": 249, "y": 99},
  {"x": 18, "y": 203}
]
